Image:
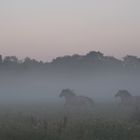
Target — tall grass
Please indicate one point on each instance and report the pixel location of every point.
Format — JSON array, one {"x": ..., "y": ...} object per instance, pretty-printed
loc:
[{"x": 17, "y": 126}]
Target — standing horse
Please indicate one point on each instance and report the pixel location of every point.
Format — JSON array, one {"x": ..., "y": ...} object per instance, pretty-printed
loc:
[
  {"x": 128, "y": 99},
  {"x": 74, "y": 103},
  {"x": 130, "y": 104}
]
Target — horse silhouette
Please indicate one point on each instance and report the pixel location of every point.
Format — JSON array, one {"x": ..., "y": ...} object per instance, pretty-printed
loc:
[
  {"x": 75, "y": 103},
  {"x": 128, "y": 99}
]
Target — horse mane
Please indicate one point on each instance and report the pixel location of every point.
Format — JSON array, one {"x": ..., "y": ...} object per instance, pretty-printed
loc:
[{"x": 125, "y": 93}]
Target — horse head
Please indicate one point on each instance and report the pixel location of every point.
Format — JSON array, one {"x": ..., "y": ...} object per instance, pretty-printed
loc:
[
  {"x": 123, "y": 94},
  {"x": 67, "y": 93}
]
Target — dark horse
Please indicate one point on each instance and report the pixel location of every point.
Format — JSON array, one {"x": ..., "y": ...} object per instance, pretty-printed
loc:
[
  {"x": 128, "y": 99},
  {"x": 74, "y": 102}
]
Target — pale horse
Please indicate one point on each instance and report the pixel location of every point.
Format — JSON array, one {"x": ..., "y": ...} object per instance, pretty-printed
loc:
[
  {"x": 76, "y": 104},
  {"x": 127, "y": 99}
]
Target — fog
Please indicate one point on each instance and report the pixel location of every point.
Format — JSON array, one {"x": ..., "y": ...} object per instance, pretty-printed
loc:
[{"x": 29, "y": 87}]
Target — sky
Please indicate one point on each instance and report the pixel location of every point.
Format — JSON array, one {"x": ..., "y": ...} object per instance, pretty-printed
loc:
[{"x": 45, "y": 29}]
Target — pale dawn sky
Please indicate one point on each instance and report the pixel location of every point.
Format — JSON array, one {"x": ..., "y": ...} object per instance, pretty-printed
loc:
[{"x": 44, "y": 29}]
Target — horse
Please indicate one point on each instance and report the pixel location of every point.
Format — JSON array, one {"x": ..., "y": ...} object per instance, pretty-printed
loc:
[
  {"x": 128, "y": 99},
  {"x": 74, "y": 103}
]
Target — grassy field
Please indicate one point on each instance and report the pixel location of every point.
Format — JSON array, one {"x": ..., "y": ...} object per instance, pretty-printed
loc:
[{"x": 107, "y": 122}]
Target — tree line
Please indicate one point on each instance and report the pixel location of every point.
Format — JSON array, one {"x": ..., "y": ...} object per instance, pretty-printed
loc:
[{"x": 91, "y": 62}]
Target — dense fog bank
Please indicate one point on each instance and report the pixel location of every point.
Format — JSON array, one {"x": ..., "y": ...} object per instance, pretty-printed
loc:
[
  {"x": 93, "y": 75},
  {"x": 47, "y": 88}
]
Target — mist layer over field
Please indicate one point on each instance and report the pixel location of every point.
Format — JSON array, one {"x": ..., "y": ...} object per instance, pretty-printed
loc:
[
  {"x": 93, "y": 75},
  {"x": 42, "y": 88}
]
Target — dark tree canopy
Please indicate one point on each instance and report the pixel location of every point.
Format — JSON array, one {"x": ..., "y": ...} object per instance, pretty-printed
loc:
[{"x": 91, "y": 62}]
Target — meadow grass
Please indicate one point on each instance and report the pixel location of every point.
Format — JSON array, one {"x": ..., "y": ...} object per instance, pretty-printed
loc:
[{"x": 19, "y": 126}]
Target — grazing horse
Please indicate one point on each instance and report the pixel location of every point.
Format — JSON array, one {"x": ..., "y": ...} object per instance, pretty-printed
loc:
[
  {"x": 128, "y": 99},
  {"x": 74, "y": 102}
]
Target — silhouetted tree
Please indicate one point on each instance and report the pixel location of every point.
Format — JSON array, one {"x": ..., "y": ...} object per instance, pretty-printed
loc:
[
  {"x": 0, "y": 59},
  {"x": 10, "y": 60},
  {"x": 131, "y": 62},
  {"x": 112, "y": 62},
  {"x": 91, "y": 62},
  {"x": 94, "y": 56}
]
